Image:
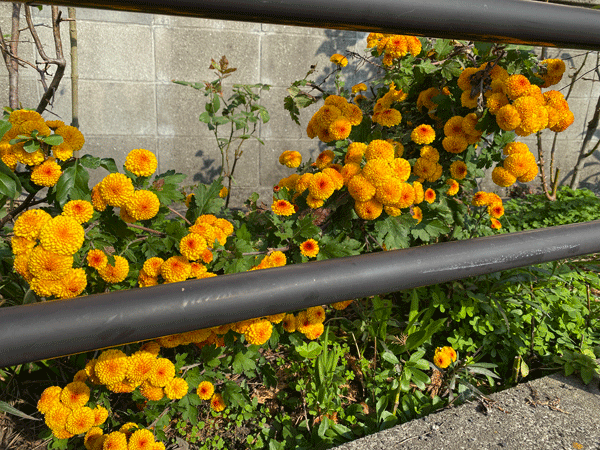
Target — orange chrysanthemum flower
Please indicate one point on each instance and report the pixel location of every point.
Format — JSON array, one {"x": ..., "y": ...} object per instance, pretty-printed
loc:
[
  {"x": 94, "y": 438},
  {"x": 340, "y": 306},
  {"x": 29, "y": 223},
  {"x": 290, "y": 158},
  {"x": 205, "y": 390},
  {"x": 508, "y": 118},
  {"x": 429, "y": 195},
  {"x": 406, "y": 197},
  {"x": 309, "y": 248},
  {"x": 458, "y": 170},
  {"x": 259, "y": 332},
  {"x": 361, "y": 189},
  {"x": 495, "y": 224},
  {"x": 289, "y": 323},
  {"x": 217, "y": 403},
  {"x": 46, "y": 265},
  {"x": 176, "y": 268},
  {"x": 321, "y": 186},
  {"x": 388, "y": 117},
  {"x": 355, "y": 152},
  {"x": 47, "y": 173},
  {"x": 324, "y": 159},
  {"x": 152, "y": 266},
  {"x": 80, "y": 210},
  {"x": 111, "y": 366},
  {"x": 80, "y": 420},
  {"x": 502, "y": 177},
  {"x": 453, "y": 187},
  {"x": 20, "y": 245},
  {"x": 176, "y": 389},
  {"x": 62, "y": 235},
  {"x": 495, "y": 210},
  {"x": 340, "y": 128},
  {"x": 162, "y": 372},
  {"x": 423, "y": 134},
  {"x": 143, "y": 205},
  {"x": 417, "y": 214},
  {"x": 315, "y": 314},
  {"x": 49, "y": 399},
  {"x": 141, "y": 162},
  {"x": 115, "y": 441},
  {"x": 516, "y": 85},
  {"x": 312, "y": 331},
  {"x": 369, "y": 210},
  {"x": 71, "y": 136},
  {"x": 100, "y": 415},
  {"x": 151, "y": 392},
  {"x": 116, "y": 189},
  {"x": 192, "y": 246},
  {"x": 141, "y": 439},
  {"x": 140, "y": 366},
  {"x": 72, "y": 283},
  {"x": 338, "y": 59},
  {"x": 56, "y": 418},
  {"x": 116, "y": 273},
  {"x": 96, "y": 259},
  {"x": 283, "y": 208}
]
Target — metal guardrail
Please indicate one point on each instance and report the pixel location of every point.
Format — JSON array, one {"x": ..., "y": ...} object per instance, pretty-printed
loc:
[
  {"x": 50, "y": 329},
  {"x": 511, "y": 21}
]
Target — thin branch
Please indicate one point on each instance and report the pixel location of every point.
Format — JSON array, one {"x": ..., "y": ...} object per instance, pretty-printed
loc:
[
  {"x": 149, "y": 230},
  {"x": 179, "y": 214}
]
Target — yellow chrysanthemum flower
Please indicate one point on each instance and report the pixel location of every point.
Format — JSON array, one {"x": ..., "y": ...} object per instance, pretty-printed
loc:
[
  {"x": 407, "y": 196},
  {"x": 340, "y": 306},
  {"x": 369, "y": 210},
  {"x": 340, "y": 128},
  {"x": 46, "y": 265},
  {"x": 20, "y": 245},
  {"x": 515, "y": 86},
  {"x": 290, "y": 158},
  {"x": 29, "y": 223},
  {"x": 417, "y": 214},
  {"x": 162, "y": 372},
  {"x": 94, "y": 438},
  {"x": 361, "y": 189},
  {"x": 259, "y": 332},
  {"x": 312, "y": 331},
  {"x": 80, "y": 420},
  {"x": 8, "y": 156},
  {"x": 62, "y": 235},
  {"x": 192, "y": 246},
  {"x": 495, "y": 210},
  {"x": 496, "y": 101},
  {"x": 143, "y": 205},
  {"x": 338, "y": 59},
  {"x": 321, "y": 186},
  {"x": 63, "y": 151},
  {"x": 355, "y": 153},
  {"x": 176, "y": 389},
  {"x": 56, "y": 418},
  {"x": 315, "y": 314},
  {"x": 80, "y": 210},
  {"x": 453, "y": 187},
  {"x": 115, "y": 441},
  {"x": 111, "y": 367},
  {"x": 429, "y": 195},
  {"x": 19, "y": 116},
  {"x": 141, "y": 162},
  {"x": 205, "y": 390},
  {"x": 423, "y": 134},
  {"x": 379, "y": 148},
  {"x": 519, "y": 163},
  {"x": 176, "y": 268},
  {"x": 324, "y": 159},
  {"x": 100, "y": 415},
  {"x": 508, "y": 118},
  {"x": 49, "y": 399},
  {"x": 47, "y": 173},
  {"x": 444, "y": 356},
  {"x": 455, "y": 144},
  {"x": 151, "y": 392},
  {"x": 282, "y": 208},
  {"x": 116, "y": 189},
  {"x": 72, "y": 283},
  {"x": 389, "y": 193},
  {"x": 140, "y": 366},
  {"x": 71, "y": 136},
  {"x": 360, "y": 87},
  {"x": 115, "y": 273},
  {"x": 97, "y": 200},
  {"x": 388, "y": 117},
  {"x": 502, "y": 177}
]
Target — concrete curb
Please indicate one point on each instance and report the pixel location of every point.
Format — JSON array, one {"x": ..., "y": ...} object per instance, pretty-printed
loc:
[{"x": 550, "y": 413}]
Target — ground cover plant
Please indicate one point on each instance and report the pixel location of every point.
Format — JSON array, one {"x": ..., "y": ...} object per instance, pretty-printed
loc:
[{"x": 399, "y": 167}]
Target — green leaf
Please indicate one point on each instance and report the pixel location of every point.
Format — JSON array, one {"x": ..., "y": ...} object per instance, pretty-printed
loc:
[
  {"x": 206, "y": 199},
  {"x": 10, "y": 185},
  {"x": 89, "y": 161},
  {"x": 9, "y": 409},
  {"x": 311, "y": 349},
  {"x": 390, "y": 357},
  {"x": 54, "y": 139},
  {"x": 587, "y": 374},
  {"x": 242, "y": 363},
  {"x": 419, "y": 378},
  {"x": 442, "y": 47},
  {"x": 31, "y": 146},
  {"x": 524, "y": 369},
  {"x": 109, "y": 164},
  {"x": 73, "y": 184},
  {"x": 205, "y": 117},
  {"x": 5, "y": 125}
]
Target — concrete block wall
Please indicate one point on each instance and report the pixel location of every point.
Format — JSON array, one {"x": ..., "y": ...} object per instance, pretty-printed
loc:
[{"x": 127, "y": 100}]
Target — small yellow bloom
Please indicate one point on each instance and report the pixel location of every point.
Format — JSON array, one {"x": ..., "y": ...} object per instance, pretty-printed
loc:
[{"x": 338, "y": 59}]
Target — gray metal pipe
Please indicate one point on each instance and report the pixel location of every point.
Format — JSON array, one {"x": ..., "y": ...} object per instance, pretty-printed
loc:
[
  {"x": 56, "y": 328},
  {"x": 511, "y": 21}
]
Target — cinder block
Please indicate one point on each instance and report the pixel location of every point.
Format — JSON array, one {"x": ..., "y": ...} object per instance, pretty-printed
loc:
[
  {"x": 28, "y": 94},
  {"x": 286, "y": 59},
  {"x": 197, "y": 22},
  {"x": 200, "y": 159},
  {"x": 178, "y": 109},
  {"x": 109, "y": 51},
  {"x": 116, "y": 147},
  {"x": 100, "y": 15},
  {"x": 185, "y": 54},
  {"x": 117, "y": 108},
  {"x": 323, "y": 33},
  {"x": 270, "y": 169}
]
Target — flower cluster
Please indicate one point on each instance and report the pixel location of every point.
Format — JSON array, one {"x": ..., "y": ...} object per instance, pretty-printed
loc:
[
  {"x": 29, "y": 126},
  {"x": 520, "y": 164},
  {"x": 153, "y": 376},
  {"x": 334, "y": 120},
  {"x": 444, "y": 356},
  {"x": 117, "y": 190},
  {"x": 196, "y": 251},
  {"x": 493, "y": 204},
  {"x": 393, "y": 46},
  {"x": 65, "y": 411},
  {"x": 129, "y": 437},
  {"x": 44, "y": 248}
]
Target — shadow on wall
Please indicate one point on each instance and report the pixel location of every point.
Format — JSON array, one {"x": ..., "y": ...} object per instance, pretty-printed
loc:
[{"x": 208, "y": 172}]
